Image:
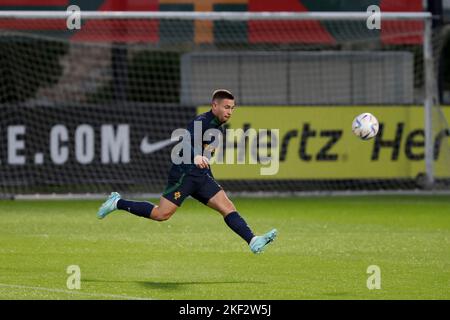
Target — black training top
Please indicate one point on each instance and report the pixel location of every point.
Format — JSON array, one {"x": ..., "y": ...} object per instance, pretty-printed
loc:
[{"x": 208, "y": 145}]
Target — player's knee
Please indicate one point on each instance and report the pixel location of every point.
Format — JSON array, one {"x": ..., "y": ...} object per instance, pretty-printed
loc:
[
  {"x": 229, "y": 207},
  {"x": 165, "y": 216},
  {"x": 162, "y": 214}
]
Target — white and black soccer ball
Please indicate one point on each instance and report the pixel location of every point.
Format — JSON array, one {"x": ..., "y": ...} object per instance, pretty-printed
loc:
[{"x": 365, "y": 126}]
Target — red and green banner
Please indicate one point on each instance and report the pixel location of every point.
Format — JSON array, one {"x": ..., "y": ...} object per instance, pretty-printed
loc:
[{"x": 204, "y": 32}]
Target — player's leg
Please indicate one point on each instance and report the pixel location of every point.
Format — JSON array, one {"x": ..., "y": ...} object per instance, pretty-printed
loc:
[
  {"x": 144, "y": 209},
  {"x": 178, "y": 188},
  {"x": 161, "y": 212},
  {"x": 164, "y": 211},
  {"x": 212, "y": 194},
  {"x": 139, "y": 208},
  {"x": 234, "y": 220},
  {"x": 221, "y": 203}
]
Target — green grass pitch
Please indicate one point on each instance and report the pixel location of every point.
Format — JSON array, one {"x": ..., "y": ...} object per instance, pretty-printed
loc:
[{"x": 323, "y": 250}]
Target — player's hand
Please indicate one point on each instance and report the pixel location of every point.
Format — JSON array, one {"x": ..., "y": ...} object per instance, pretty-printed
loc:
[{"x": 201, "y": 162}]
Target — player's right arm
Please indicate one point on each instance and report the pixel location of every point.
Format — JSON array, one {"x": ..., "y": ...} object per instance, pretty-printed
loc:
[{"x": 199, "y": 160}]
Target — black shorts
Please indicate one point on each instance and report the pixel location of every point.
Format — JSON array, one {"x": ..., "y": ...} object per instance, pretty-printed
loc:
[{"x": 182, "y": 185}]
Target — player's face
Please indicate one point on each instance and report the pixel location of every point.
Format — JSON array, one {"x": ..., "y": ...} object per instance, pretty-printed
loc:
[{"x": 223, "y": 109}]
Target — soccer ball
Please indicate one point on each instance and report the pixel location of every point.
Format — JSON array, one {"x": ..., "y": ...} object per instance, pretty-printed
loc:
[{"x": 365, "y": 126}]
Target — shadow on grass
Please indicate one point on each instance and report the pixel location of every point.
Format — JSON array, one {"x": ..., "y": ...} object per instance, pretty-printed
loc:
[{"x": 173, "y": 285}]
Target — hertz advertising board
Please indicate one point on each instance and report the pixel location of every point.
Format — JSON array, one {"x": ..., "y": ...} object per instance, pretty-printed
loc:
[{"x": 318, "y": 143}]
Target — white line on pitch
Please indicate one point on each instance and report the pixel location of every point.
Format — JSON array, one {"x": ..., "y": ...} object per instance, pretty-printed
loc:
[{"x": 74, "y": 292}]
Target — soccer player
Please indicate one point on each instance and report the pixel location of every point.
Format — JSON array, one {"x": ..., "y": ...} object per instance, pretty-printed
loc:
[{"x": 195, "y": 179}]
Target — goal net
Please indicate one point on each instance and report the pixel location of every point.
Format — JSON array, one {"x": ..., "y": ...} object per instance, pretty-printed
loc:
[{"x": 91, "y": 108}]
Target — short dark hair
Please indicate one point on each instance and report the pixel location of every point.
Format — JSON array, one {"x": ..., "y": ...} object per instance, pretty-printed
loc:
[{"x": 220, "y": 94}]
